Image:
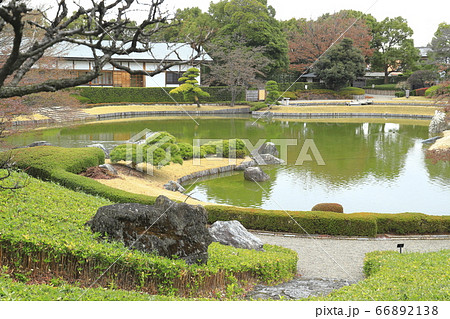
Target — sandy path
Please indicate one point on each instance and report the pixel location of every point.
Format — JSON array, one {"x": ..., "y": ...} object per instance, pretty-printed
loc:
[{"x": 150, "y": 182}]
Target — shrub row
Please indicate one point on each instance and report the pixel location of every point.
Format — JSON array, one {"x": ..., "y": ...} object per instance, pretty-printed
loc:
[
  {"x": 97, "y": 95},
  {"x": 300, "y": 86},
  {"x": 400, "y": 277},
  {"x": 296, "y": 222},
  {"x": 384, "y": 87},
  {"x": 62, "y": 165},
  {"x": 356, "y": 224},
  {"x": 43, "y": 233}
]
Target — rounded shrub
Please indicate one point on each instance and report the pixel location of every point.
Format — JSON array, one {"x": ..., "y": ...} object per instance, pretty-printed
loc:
[{"x": 328, "y": 207}]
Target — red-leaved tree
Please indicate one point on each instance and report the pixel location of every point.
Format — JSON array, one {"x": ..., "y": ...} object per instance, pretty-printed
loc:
[{"x": 315, "y": 37}]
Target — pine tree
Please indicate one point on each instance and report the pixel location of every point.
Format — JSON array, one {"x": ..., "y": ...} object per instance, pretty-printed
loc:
[{"x": 190, "y": 88}]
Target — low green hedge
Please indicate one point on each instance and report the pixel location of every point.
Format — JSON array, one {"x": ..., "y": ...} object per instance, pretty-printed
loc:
[
  {"x": 97, "y": 95},
  {"x": 62, "y": 165},
  {"x": 356, "y": 224},
  {"x": 384, "y": 87},
  {"x": 400, "y": 277},
  {"x": 410, "y": 223},
  {"x": 311, "y": 222},
  {"x": 43, "y": 233}
]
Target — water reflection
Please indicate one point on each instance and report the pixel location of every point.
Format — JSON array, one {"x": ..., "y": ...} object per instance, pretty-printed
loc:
[{"x": 370, "y": 166}]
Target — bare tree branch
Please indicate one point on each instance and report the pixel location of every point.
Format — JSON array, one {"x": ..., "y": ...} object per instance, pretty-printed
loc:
[{"x": 103, "y": 27}]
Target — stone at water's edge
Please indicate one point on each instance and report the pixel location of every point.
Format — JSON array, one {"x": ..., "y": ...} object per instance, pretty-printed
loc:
[
  {"x": 267, "y": 159},
  {"x": 438, "y": 123},
  {"x": 102, "y": 147},
  {"x": 39, "y": 143},
  {"x": 174, "y": 187},
  {"x": 167, "y": 228},
  {"x": 232, "y": 233},
  {"x": 245, "y": 165},
  {"x": 268, "y": 148},
  {"x": 255, "y": 174}
]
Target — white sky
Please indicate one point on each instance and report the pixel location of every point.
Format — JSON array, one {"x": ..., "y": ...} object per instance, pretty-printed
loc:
[{"x": 423, "y": 16}]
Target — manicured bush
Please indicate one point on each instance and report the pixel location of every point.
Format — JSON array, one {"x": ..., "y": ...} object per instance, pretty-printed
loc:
[
  {"x": 400, "y": 277},
  {"x": 272, "y": 92},
  {"x": 349, "y": 91},
  {"x": 97, "y": 95},
  {"x": 43, "y": 233},
  {"x": 159, "y": 149},
  {"x": 289, "y": 95},
  {"x": 328, "y": 207},
  {"x": 311, "y": 222},
  {"x": 266, "y": 266},
  {"x": 62, "y": 165},
  {"x": 410, "y": 223},
  {"x": 234, "y": 148},
  {"x": 431, "y": 90},
  {"x": 256, "y": 106}
]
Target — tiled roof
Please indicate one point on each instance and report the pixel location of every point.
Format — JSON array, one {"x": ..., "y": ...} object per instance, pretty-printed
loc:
[{"x": 157, "y": 52}]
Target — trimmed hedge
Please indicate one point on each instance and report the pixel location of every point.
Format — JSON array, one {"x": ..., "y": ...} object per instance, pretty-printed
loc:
[
  {"x": 97, "y": 95},
  {"x": 311, "y": 222},
  {"x": 356, "y": 224},
  {"x": 400, "y": 277},
  {"x": 351, "y": 91},
  {"x": 410, "y": 223},
  {"x": 62, "y": 165}
]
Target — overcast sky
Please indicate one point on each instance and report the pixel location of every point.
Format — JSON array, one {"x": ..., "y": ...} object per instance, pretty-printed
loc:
[{"x": 423, "y": 16}]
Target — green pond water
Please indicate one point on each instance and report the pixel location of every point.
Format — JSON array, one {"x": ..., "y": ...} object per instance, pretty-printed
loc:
[{"x": 369, "y": 167}]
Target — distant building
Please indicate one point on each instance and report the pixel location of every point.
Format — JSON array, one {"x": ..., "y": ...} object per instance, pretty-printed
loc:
[
  {"x": 424, "y": 52},
  {"x": 79, "y": 59}
]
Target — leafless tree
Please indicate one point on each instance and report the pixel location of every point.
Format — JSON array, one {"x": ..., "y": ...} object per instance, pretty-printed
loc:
[
  {"x": 103, "y": 20},
  {"x": 237, "y": 66}
]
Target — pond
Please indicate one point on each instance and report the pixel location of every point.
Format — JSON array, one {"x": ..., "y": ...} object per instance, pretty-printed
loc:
[{"x": 369, "y": 165}]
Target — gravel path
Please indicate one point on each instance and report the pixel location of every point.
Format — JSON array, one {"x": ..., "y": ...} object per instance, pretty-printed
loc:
[{"x": 343, "y": 258}]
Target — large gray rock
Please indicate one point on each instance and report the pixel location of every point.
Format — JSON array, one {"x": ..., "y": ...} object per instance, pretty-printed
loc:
[
  {"x": 167, "y": 228},
  {"x": 268, "y": 148},
  {"x": 102, "y": 147},
  {"x": 267, "y": 159},
  {"x": 174, "y": 187},
  {"x": 245, "y": 165},
  {"x": 438, "y": 123},
  {"x": 232, "y": 233},
  {"x": 255, "y": 174}
]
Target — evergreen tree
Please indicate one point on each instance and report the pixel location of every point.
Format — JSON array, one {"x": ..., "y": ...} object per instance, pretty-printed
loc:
[
  {"x": 341, "y": 65},
  {"x": 190, "y": 88}
]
